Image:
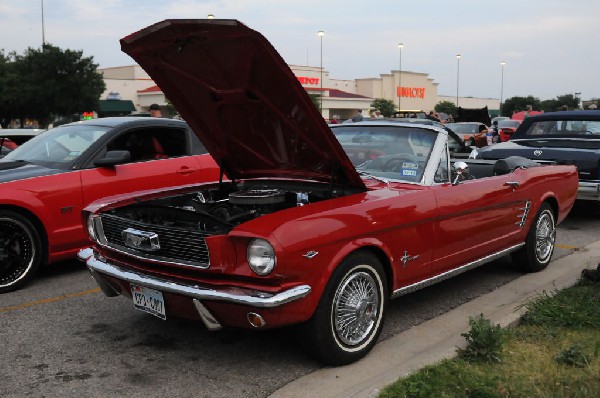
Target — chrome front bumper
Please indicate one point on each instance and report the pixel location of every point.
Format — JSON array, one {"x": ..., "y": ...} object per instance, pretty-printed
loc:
[
  {"x": 253, "y": 298},
  {"x": 588, "y": 191}
]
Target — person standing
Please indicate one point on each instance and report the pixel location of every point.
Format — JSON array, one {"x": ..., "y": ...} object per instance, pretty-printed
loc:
[
  {"x": 155, "y": 110},
  {"x": 358, "y": 117}
]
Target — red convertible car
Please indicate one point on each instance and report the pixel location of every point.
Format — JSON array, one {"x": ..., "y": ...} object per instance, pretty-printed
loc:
[
  {"x": 48, "y": 180},
  {"x": 300, "y": 234}
]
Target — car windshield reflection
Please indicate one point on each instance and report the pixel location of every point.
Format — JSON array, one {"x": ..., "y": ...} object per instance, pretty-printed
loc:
[
  {"x": 388, "y": 152},
  {"x": 58, "y": 147},
  {"x": 564, "y": 127}
]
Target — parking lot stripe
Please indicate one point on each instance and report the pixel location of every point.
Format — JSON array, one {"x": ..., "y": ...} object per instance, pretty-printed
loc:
[
  {"x": 49, "y": 300},
  {"x": 567, "y": 247}
]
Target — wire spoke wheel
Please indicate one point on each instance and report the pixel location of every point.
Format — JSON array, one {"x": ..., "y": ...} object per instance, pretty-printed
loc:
[
  {"x": 351, "y": 311},
  {"x": 355, "y": 308},
  {"x": 536, "y": 254},
  {"x": 545, "y": 237}
]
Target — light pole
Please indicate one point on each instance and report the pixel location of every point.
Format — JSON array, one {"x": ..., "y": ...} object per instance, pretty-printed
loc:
[
  {"x": 43, "y": 33},
  {"x": 501, "y": 85},
  {"x": 457, "y": 76},
  {"x": 400, "y": 45},
  {"x": 321, "y": 33}
]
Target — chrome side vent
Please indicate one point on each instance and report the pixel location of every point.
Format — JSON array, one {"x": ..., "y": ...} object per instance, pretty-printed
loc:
[{"x": 523, "y": 216}]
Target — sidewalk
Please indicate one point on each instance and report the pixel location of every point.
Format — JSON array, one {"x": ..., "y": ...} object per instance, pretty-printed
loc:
[{"x": 438, "y": 338}]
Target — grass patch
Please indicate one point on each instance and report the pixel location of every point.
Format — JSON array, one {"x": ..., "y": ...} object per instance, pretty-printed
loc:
[{"x": 554, "y": 352}]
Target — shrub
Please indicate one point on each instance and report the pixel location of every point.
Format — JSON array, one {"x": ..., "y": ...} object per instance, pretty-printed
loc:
[{"x": 484, "y": 341}]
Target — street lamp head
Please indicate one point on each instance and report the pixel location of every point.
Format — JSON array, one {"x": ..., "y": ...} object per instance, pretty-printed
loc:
[
  {"x": 457, "y": 56},
  {"x": 321, "y": 33},
  {"x": 210, "y": 16},
  {"x": 502, "y": 63},
  {"x": 400, "y": 45}
]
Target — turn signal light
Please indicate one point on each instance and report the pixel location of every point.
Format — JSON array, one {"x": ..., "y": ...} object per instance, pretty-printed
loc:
[{"x": 256, "y": 320}]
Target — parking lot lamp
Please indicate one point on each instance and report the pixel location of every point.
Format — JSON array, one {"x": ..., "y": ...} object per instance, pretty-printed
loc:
[{"x": 210, "y": 16}]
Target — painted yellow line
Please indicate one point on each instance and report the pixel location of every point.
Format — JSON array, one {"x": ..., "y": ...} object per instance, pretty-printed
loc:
[
  {"x": 567, "y": 247},
  {"x": 48, "y": 300}
]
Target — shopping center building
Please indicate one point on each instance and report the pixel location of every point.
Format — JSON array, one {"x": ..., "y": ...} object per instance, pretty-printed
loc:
[{"x": 130, "y": 89}]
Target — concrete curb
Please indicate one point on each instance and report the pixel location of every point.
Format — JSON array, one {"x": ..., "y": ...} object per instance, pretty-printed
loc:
[{"x": 437, "y": 339}]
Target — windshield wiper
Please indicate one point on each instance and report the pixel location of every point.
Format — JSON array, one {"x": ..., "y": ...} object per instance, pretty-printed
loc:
[{"x": 380, "y": 179}]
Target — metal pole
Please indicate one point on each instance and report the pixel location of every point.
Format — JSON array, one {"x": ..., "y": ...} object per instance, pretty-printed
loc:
[
  {"x": 457, "y": 76},
  {"x": 400, "y": 45},
  {"x": 321, "y": 34},
  {"x": 43, "y": 33},
  {"x": 502, "y": 86}
]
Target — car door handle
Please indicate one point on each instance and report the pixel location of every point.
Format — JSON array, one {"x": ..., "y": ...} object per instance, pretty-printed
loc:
[
  {"x": 185, "y": 170},
  {"x": 512, "y": 184}
]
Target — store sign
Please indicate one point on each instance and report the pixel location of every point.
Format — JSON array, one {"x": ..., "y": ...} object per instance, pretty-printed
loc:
[
  {"x": 410, "y": 92},
  {"x": 308, "y": 80}
]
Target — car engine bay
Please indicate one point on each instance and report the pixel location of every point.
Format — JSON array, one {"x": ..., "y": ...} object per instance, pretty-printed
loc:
[{"x": 218, "y": 209}]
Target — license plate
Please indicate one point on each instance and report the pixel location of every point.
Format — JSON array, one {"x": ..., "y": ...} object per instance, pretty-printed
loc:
[{"x": 148, "y": 300}]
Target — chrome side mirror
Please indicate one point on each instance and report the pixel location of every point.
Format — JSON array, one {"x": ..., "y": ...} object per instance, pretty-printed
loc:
[{"x": 461, "y": 169}]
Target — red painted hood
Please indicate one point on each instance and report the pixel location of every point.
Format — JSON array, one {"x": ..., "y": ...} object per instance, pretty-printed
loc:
[{"x": 241, "y": 99}]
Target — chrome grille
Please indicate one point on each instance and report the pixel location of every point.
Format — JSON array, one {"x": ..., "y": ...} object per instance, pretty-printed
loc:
[{"x": 177, "y": 245}]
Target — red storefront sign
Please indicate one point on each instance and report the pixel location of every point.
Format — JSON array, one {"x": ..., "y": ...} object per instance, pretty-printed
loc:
[
  {"x": 308, "y": 80},
  {"x": 411, "y": 92}
]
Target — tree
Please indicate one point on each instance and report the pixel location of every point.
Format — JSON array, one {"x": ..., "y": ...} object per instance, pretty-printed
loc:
[
  {"x": 316, "y": 100},
  {"x": 570, "y": 100},
  {"x": 446, "y": 107},
  {"x": 516, "y": 104},
  {"x": 385, "y": 106},
  {"x": 46, "y": 83}
]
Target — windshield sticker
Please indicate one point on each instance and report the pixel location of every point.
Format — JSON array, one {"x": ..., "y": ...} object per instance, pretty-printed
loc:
[
  {"x": 411, "y": 173},
  {"x": 410, "y": 165}
]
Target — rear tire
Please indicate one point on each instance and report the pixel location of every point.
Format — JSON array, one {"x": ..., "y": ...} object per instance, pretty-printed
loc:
[
  {"x": 20, "y": 250},
  {"x": 539, "y": 245},
  {"x": 351, "y": 312}
]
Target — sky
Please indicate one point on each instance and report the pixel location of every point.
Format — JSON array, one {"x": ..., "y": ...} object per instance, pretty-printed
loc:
[{"x": 549, "y": 46}]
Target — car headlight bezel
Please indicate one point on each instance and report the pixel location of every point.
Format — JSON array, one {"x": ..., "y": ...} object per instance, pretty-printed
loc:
[
  {"x": 261, "y": 256},
  {"x": 91, "y": 226}
]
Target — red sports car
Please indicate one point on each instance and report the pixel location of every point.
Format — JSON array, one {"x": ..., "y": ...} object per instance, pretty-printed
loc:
[
  {"x": 47, "y": 181},
  {"x": 506, "y": 128},
  {"x": 299, "y": 235}
]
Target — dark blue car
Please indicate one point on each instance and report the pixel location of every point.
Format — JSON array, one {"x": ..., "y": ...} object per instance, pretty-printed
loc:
[{"x": 569, "y": 137}]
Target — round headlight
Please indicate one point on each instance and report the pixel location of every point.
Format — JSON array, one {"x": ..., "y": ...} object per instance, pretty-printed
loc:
[{"x": 261, "y": 256}]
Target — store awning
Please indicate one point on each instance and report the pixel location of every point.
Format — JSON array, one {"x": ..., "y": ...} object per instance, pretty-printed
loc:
[{"x": 117, "y": 106}]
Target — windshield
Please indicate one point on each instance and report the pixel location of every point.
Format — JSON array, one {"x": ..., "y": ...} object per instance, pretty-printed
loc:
[
  {"x": 460, "y": 128},
  {"x": 509, "y": 123},
  {"x": 391, "y": 152},
  {"x": 58, "y": 147},
  {"x": 565, "y": 127}
]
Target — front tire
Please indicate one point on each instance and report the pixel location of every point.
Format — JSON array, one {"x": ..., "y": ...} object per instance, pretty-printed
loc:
[
  {"x": 20, "y": 251},
  {"x": 539, "y": 245},
  {"x": 351, "y": 312}
]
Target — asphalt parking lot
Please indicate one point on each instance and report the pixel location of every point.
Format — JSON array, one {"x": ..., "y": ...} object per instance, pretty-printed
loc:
[{"x": 61, "y": 337}]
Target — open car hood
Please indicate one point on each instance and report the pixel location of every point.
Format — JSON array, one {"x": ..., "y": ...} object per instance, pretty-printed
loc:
[{"x": 242, "y": 100}]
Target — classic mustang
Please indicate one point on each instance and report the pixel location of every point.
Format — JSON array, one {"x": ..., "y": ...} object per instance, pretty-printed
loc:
[
  {"x": 47, "y": 181},
  {"x": 299, "y": 235}
]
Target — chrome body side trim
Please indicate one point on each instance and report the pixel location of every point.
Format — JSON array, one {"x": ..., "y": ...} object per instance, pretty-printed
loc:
[
  {"x": 236, "y": 295},
  {"x": 588, "y": 191},
  {"x": 448, "y": 274}
]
